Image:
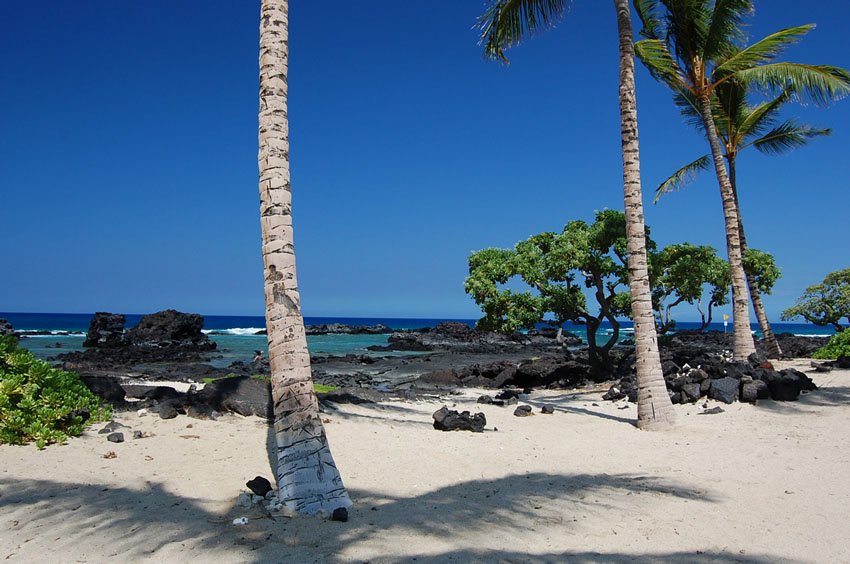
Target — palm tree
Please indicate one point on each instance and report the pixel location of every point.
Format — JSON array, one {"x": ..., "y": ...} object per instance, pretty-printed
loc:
[
  {"x": 691, "y": 47},
  {"x": 308, "y": 480},
  {"x": 740, "y": 126},
  {"x": 504, "y": 24}
]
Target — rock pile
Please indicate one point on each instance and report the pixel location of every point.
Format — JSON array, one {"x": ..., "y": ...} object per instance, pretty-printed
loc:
[
  {"x": 724, "y": 381},
  {"x": 446, "y": 419},
  {"x": 561, "y": 370}
]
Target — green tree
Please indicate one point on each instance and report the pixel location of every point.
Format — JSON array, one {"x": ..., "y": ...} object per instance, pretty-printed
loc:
[
  {"x": 558, "y": 267},
  {"x": 693, "y": 47},
  {"x": 308, "y": 480},
  {"x": 740, "y": 126},
  {"x": 682, "y": 272},
  {"x": 506, "y": 23},
  {"x": 825, "y": 303}
]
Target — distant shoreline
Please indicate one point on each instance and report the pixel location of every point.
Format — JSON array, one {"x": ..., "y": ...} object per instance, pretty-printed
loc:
[{"x": 242, "y": 324}]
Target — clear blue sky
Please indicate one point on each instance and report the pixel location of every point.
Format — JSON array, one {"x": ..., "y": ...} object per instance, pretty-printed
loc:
[{"x": 128, "y": 148}]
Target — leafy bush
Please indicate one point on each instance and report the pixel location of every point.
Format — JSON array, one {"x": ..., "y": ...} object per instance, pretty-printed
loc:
[
  {"x": 40, "y": 403},
  {"x": 838, "y": 345}
]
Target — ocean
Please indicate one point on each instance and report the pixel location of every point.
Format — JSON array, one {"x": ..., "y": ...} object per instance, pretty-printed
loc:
[{"x": 236, "y": 337}]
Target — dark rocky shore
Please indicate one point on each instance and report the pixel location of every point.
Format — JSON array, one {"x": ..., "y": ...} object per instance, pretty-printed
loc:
[{"x": 122, "y": 365}]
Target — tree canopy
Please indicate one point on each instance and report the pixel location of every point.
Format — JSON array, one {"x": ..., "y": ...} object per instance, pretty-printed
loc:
[
  {"x": 825, "y": 303},
  {"x": 558, "y": 267},
  {"x": 681, "y": 272}
]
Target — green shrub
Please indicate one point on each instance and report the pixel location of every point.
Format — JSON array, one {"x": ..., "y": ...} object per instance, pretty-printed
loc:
[
  {"x": 838, "y": 345},
  {"x": 40, "y": 403}
]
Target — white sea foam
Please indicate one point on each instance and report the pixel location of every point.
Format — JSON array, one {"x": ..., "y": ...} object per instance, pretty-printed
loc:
[
  {"x": 32, "y": 333},
  {"x": 811, "y": 335},
  {"x": 240, "y": 331}
]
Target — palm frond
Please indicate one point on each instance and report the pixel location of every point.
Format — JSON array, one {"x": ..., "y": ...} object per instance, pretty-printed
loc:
[
  {"x": 761, "y": 51},
  {"x": 726, "y": 27},
  {"x": 681, "y": 177},
  {"x": 689, "y": 108},
  {"x": 654, "y": 55},
  {"x": 760, "y": 117},
  {"x": 687, "y": 22},
  {"x": 820, "y": 84},
  {"x": 787, "y": 136},
  {"x": 505, "y": 23},
  {"x": 651, "y": 27}
]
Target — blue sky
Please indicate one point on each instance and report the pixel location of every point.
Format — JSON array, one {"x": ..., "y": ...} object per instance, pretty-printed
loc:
[{"x": 129, "y": 177}]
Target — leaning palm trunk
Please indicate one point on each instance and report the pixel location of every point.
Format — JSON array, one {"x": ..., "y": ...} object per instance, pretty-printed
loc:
[
  {"x": 744, "y": 345},
  {"x": 655, "y": 410},
  {"x": 308, "y": 480},
  {"x": 772, "y": 345}
]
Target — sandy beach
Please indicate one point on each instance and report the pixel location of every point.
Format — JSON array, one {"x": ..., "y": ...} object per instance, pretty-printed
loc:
[{"x": 756, "y": 483}]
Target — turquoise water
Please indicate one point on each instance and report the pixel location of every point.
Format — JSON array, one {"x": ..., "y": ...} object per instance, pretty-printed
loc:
[{"x": 236, "y": 338}]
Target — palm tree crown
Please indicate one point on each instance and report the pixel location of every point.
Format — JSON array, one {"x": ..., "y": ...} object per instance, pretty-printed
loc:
[
  {"x": 695, "y": 47},
  {"x": 740, "y": 126}
]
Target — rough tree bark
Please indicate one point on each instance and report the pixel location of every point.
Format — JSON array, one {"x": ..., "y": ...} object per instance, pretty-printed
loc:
[
  {"x": 308, "y": 480},
  {"x": 770, "y": 342},
  {"x": 655, "y": 410},
  {"x": 743, "y": 338}
]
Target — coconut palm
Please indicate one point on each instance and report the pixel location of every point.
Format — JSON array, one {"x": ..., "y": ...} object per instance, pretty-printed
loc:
[
  {"x": 692, "y": 47},
  {"x": 740, "y": 126},
  {"x": 308, "y": 480},
  {"x": 504, "y": 24}
]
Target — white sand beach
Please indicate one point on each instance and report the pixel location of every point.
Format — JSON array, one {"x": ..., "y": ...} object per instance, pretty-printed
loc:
[{"x": 757, "y": 483}]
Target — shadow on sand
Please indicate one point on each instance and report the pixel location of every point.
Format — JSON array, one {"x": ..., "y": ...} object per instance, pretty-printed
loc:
[{"x": 154, "y": 523}]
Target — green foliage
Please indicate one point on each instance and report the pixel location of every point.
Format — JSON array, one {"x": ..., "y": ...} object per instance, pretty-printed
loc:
[
  {"x": 557, "y": 267},
  {"x": 694, "y": 46},
  {"x": 837, "y": 346},
  {"x": 505, "y": 23},
  {"x": 681, "y": 271},
  {"x": 762, "y": 267},
  {"x": 323, "y": 389},
  {"x": 825, "y": 303},
  {"x": 40, "y": 403}
]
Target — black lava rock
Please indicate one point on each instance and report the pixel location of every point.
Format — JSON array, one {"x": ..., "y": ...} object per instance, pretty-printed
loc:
[
  {"x": 450, "y": 420},
  {"x": 547, "y": 409},
  {"x": 522, "y": 411},
  {"x": 755, "y": 390},
  {"x": 170, "y": 329},
  {"x": 724, "y": 389},
  {"x": 690, "y": 393},
  {"x": 115, "y": 437},
  {"x": 6, "y": 328},
  {"x": 613, "y": 394},
  {"x": 167, "y": 410},
  {"x": 105, "y": 387},
  {"x": 259, "y": 485},
  {"x": 340, "y": 514},
  {"x": 106, "y": 330}
]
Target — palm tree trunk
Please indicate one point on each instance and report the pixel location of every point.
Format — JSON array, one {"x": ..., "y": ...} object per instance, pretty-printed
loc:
[
  {"x": 773, "y": 348},
  {"x": 308, "y": 480},
  {"x": 655, "y": 410},
  {"x": 744, "y": 345}
]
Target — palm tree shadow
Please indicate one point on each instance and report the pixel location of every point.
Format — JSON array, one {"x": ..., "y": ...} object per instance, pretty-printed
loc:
[
  {"x": 155, "y": 523},
  {"x": 562, "y": 403}
]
